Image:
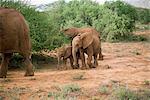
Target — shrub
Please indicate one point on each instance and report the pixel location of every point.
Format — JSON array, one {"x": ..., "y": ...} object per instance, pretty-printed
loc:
[
  {"x": 103, "y": 89},
  {"x": 65, "y": 91},
  {"x": 113, "y": 27},
  {"x": 143, "y": 15},
  {"x": 123, "y": 93},
  {"x": 71, "y": 88}
]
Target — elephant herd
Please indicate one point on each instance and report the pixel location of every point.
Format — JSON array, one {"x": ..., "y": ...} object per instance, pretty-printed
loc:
[
  {"x": 14, "y": 38},
  {"x": 84, "y": 40}
]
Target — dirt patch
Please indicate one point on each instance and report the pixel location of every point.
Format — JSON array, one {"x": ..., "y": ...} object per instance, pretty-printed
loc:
[{"x": 126, "y": 64}]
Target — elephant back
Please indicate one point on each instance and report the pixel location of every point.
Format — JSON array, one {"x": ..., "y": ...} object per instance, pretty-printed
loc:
[
  {"x": 89, "y": 30},
  {"x": 74, "y": 31},
  {"x": 70, "y": 32},
  {"x": 14, "y": 31}
]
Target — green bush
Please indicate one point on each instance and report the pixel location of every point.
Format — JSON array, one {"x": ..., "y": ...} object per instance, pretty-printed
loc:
[
  {"x": 117, "y": 21},
  {"x": 143, "y": 15},
  {"x": 113, "y": 27},
  {"x": 114, "y": 20}
]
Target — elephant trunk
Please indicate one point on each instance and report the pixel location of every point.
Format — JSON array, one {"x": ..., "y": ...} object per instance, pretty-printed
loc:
[{"x": 74, "y": 52}]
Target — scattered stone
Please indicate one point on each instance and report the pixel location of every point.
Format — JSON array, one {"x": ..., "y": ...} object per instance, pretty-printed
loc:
[{"x": 106, "y": 67}]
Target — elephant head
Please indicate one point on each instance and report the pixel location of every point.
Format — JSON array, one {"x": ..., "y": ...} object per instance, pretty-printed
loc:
[{"x": 81, "y": 41}]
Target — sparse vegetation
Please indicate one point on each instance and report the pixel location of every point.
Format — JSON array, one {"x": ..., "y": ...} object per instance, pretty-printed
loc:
[
  {"x": 69, "y": 91},
  {"x": 13, "y": 93},
  {"x": 103, "y": 89},
  {"x": 71, "y": 88},
  {"x": 124, "y": 93},
  {"x": 78, "y": 76}
]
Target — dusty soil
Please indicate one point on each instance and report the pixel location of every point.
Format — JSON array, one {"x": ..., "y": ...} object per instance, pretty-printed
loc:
[{"x": 126, "y": 64}]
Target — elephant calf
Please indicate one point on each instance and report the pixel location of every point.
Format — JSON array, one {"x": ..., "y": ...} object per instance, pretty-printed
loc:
[{"x": 65, "y": 53}]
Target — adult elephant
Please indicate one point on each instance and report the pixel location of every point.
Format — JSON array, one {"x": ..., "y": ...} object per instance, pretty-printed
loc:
[
  {"x": 86, "y": 43},
  {"x": 14, "y": 38},
  {"x": 74, "y": 31}
]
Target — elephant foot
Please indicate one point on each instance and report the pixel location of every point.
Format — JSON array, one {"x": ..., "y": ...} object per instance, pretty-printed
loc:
[
  {"x": 65, "y": 67},
  {"x": 2, "y": 76},
  {"x": 83, "y": 68},
  {"x": 92, "y": 66},
  {"x": 76, "y": 66},
  {"x": 29, "y": 74},
  {"x": 61, "y": 68},
  {"x": 101, "y": 58},
  {"x": 58, "y": 67}
]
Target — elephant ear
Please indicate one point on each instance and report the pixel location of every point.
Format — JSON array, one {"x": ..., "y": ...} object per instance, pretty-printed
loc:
[
  {"x": 68, "y": 51},
  {"x": 87, "y": 39}
]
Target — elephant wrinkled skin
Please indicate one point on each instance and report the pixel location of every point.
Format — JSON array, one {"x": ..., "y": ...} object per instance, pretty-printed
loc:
[
  {"x": 73, "y": 31},
  {"x": 14, "y": 38}
]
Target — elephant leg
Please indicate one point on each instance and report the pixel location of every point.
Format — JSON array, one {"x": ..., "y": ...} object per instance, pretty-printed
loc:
[
  {"x": 4, "y": 65},
  {"x": 89, "y": 59},
  {"x": 90, "y": 54},
  {"x": 95, "y": 61},
  {"x": 71, "y": 61},
  {"x": 82, "y": 56},
  {"x": 100, "y": 55},
  {"x": 65, "y": 64},
  {"x": 29, "y": 66}
]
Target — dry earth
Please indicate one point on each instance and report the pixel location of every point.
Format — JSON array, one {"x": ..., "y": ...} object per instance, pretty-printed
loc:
[{"x": 126, "y": 64}]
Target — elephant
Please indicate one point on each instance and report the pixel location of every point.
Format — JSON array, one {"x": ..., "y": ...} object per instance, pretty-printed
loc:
[
  {"x": 86, "y": 43},
  {"x": 65, "y": 52},
  {"x": 74, "y": 31},
  {"x": 14, "y": 38}
]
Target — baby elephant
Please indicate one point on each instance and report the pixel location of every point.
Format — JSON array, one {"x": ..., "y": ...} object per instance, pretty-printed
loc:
[{"x": 64, "y": 53}]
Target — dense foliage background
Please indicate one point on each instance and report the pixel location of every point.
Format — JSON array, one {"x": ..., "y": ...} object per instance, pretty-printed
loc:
[{"x": 114, "y": 20}]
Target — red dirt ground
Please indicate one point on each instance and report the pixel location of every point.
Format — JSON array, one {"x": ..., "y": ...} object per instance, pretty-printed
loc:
[{"x": 129, "y": 65}]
